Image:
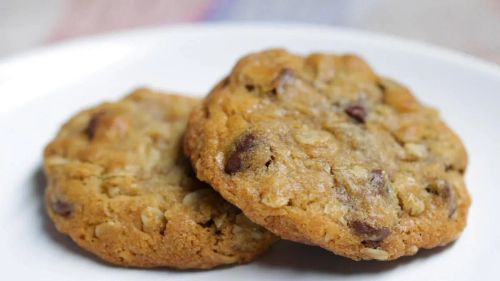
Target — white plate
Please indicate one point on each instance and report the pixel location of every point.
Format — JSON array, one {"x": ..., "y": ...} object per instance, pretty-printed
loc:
[{"x": 42, "y": 89}]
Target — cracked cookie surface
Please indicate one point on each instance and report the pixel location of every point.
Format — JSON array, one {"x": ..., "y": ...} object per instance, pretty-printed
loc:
[
  {"x": 120, "y": 187},
  {"x": 322, "y": 150}
]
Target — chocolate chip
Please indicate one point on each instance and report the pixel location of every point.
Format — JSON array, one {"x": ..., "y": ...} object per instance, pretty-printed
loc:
[
  {"x": 357, "y": 112},
  {"x": 206, "y": 224},
  {"x": 206, "y": 112},
  {"x": 371, "y": 244},
  {"x": 381, "y": 86},
  {"x": 430, "y": 189},
  {"x": 235, "y": 161},
  {"x": 249, "y": 87},
  {"x": 233, "y": 164},
  {"x": 246, "y": 143},
  {"x": 448, "y": 167},
  {"x": 268, "y": 162},
  {"x": 93, "y": 124},
  {"x": 369, "y": 232},
  {"x": 62, "y": 208},
  {"x": 445, "y": 190}
]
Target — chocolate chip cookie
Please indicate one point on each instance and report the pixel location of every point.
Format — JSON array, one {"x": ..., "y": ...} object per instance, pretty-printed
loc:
[
  {"x": 120, "y": 187},
  {"x": 322, "y": 150}
]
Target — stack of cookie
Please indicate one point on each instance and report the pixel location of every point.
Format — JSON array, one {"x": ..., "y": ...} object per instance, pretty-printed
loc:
[{"x": 318, "y": 150}]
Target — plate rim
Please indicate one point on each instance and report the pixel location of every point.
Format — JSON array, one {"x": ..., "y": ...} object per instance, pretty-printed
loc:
[
  {"x": 399, "y": 42},
  {"x": 415, "y": 47}
]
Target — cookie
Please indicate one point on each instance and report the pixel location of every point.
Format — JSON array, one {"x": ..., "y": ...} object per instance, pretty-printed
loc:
[
  {"x": 121, "y": 188},
  {"x": 322, "y": 150}
]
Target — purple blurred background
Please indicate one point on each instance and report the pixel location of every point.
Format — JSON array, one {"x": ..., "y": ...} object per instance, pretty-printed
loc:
[{"x": 471, "y": 26}]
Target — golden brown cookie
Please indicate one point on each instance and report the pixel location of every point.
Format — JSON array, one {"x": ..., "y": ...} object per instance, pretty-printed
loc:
[
  {"x": 120, "y": 187},
  {"x": 322, "y": 150}
]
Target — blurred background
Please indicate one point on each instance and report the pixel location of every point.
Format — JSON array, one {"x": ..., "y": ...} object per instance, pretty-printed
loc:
[{"x": 471, "y": 26}]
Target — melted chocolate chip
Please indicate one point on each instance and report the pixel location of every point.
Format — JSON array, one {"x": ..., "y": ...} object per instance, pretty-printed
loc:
[
  {"x": 246, "y": 143},
  {"x": 444, "y": 190},
  {"x": 206, "y": 224},
  {"x": 62, "y": 208},
  {"x": 233, "y": 164},
  {"x": 93, "y": 124},
  {"x": 430, "y": 189},
  {"x": 273, "y": 92},
  {"x": 249, "y": 87},
  {"x": 371, "y": 244},
  {"x": 368, "y": 231},
  {"x": 162, "y": 230},
  {"x": 206, "y": 112},
  {"x": 356, "y": 112},
  {"x": 381, "y": 86},
  {"x": 235, "y": 161},
  {"x": 268, "y": 162}
]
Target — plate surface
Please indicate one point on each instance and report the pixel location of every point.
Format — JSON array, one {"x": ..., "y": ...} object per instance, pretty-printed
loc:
[{"x": 40, "y": 90}]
